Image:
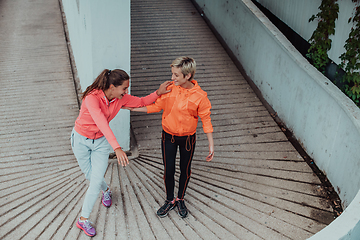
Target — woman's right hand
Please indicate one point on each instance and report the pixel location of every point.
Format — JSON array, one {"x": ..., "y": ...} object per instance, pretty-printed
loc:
[{"x": 121, "y": 157}]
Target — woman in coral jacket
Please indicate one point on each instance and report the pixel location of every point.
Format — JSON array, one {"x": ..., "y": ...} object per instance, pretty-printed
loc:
[
  {"x": 181, "y": 109},
  {"x": 92, "y": 135}
]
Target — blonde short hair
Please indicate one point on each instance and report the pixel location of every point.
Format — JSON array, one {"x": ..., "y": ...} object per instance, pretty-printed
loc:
[{"x": 186, "y": 64}]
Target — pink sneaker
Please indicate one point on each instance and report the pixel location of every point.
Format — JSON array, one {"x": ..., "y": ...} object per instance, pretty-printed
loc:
[
  {"x": 106, "y": 199},
  {"x": 86, "y": 227}
]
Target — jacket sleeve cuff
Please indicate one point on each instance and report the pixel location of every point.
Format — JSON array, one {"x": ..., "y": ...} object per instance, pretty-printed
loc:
[
  {"x": 208, "y": 130},
  {"x": 151, "y": 108},
  {"x": 115, "y": 145}
]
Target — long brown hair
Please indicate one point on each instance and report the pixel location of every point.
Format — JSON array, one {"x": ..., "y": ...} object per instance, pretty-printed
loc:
[{"x": 107, "y": 77}]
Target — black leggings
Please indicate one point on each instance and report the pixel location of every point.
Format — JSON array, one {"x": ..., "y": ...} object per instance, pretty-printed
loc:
[{"x": 169, "y": 146}]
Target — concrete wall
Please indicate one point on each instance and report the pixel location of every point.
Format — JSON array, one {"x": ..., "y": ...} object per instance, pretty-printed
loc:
[
  {"x": 99, "y": 33},
  {"x": 321, "y": 117},
  {"x": 296, "y": 15},
  {"x": 345, "y": 227}
]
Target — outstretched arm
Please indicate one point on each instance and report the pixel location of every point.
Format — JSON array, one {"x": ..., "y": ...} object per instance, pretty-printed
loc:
[
  {"x": 140, "y": 109},
  {"x": 128, "y": 101},
  {"x": 211, "y": 147}
]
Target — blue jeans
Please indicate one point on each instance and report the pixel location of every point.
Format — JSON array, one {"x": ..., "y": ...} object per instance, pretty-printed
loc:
[{"x": 92, "y": 156}]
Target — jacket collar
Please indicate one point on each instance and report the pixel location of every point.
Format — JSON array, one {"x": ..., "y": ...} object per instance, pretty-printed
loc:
[
  {"x": 101, "y": 95},
  {"x": 196, "y": 86}
]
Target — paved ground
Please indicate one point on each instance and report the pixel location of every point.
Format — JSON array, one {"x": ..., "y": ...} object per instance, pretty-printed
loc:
[{"x": 257, "y": 187}]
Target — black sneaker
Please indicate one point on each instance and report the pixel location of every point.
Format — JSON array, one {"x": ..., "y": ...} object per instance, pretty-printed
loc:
[
  {"x": 182, "y": 210},
  {"x": 165, "y": 209}
]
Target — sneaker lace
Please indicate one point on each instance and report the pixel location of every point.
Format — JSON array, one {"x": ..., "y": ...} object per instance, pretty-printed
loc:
[
  {"x": 166, "y": 205},
  {"x": 87, "y": 225},
  {"x": 107, "y": 195},
  {"x": 182, "y": 204}
]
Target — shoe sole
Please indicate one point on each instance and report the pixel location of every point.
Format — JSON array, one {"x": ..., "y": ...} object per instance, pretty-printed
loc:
[
  {"x": 105, "y": 205},
  {"x": 78, "y": 225},
  {"x": 166, "y": 213},
  {"x": 182, "y": 216}
]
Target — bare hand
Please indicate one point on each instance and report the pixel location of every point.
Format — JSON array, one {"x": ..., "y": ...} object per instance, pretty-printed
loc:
[
  {"x": 121, "y": 157},
  {"x": 163, "y": 88},
  {"x": 210, "y": 157}
]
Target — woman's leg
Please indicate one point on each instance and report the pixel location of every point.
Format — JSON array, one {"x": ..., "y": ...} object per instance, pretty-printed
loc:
[
  {"x": 99, "y": 164},
  {"x": 82, "y": 153},
  {"x": 187, "y": 148},
  {"x": 169, "y": 148},
  {"x": 92, "y": 156}
]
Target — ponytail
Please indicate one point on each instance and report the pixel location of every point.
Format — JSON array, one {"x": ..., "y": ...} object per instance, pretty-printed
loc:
[{"x": 107, "y": 77}]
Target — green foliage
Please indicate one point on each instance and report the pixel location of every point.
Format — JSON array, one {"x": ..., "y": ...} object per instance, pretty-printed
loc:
[
  {"x": 320, "y": 41},
  {"x": 321, "y": 44},
  {"x": 350, "y": 59}
]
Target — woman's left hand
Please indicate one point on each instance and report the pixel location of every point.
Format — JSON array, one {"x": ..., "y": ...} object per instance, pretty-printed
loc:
[
  {"x": 163, "y": 88},
  {"x": 210, "y": 156},
  {"x": 121, "y": 157}
]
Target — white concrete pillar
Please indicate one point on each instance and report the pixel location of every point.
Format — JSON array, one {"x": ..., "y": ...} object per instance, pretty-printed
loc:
[{"x": 99, "y": 33}]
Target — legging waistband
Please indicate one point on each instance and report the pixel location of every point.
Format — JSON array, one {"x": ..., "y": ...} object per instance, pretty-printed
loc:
[{"x": 180, "y": 138}]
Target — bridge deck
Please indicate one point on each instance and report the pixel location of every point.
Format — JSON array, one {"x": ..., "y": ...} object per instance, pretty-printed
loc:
[{"x": 257, "y": 186}]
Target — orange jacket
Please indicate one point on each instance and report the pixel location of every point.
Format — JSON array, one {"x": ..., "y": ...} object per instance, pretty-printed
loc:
[{"x": 181, "y": 109}]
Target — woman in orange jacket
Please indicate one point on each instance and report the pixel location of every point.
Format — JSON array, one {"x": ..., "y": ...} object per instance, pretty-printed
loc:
[{"x": 181, "y": 109}]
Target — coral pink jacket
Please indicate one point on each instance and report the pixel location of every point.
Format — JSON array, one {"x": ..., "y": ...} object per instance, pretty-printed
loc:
[
  {"x": 96, "y": 112},
  {"x": 182, "y": 107}
]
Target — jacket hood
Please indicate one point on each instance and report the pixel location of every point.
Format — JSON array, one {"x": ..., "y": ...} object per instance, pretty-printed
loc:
[
  {"x": 101, "y": 95},
  {"x": 193, "y": 89}
]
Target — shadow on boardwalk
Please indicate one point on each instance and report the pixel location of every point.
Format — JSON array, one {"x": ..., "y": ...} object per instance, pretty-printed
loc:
[{"x": 257, "y": 187}]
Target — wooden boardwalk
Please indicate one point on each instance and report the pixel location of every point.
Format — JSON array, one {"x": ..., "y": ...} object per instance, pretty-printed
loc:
[{"x": 257, "y": 186}]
